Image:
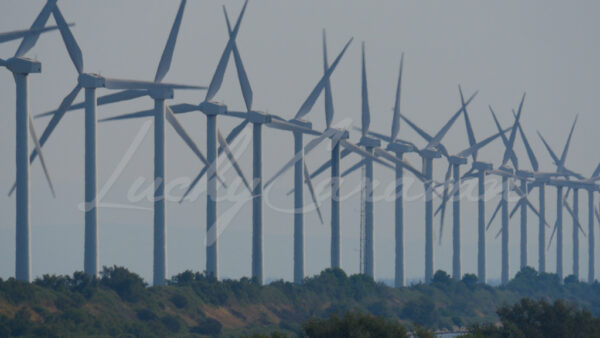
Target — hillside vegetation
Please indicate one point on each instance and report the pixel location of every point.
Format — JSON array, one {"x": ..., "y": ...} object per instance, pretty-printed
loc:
[{"x": 119, "y": 302}]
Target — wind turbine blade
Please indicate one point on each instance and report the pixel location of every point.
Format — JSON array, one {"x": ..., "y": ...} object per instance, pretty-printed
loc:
[
  {"x": 470, "y": 133},
  {"x": 396, "y": 116},
  {"x": 38, "y": 148},
  {"x": 508, "y": 153},
  {"x": 167, "y": 56},
  {"x": 326, "y": 165},
  {"x": 110, "y": 83},
  {"x": 535, "y": 211},
  {"x": 241, "y": 71},
  {"x": 403, "y": 163},
  {"x": 310, "y": 100},
  {"x": 283, "y": 125},
  {"x": 530, "y": 152},
  {"x": 596, "y": 171},
  {"x": 552, "y": 235},
  {"x": 552, "y": 154},
  {"x": 69, "y": 40},
  {"x": 183, "y": 108},
  {"x": 217, "y": 79},
  {"x": 517, "y": 206},
  {"x": 184, "y": 135},
  {"x": 445, "y": 198},
  {"x": 14, "y": 35},
  {"x": 474, "y": 148},
  {"x": 597, "y": 214},
  {"x": 353, "y": 168},
  {"x": 2, "y": 62},
  {"x": 139, "y": 114},
  {"x": 572, "y": 213},
  {"x": 445, "y": 193},
  {"x": 366, "y": 115},
  {"x": 494, "y": 215},
  {"x": 498, "y": 234},
  {"x": 438, "y": 137},
  {"x": 310, "y": 146},
  {"x": 328, "y": 98},
  {"x": 29, "y": 40},
  {"x": 363, "y": 153},
  {"x": 64, "y": 105},
  {"x": 419, "y": 131},
  {"x": 103, "y": 100},
  {"x": 312, "y": 192},
  {"x": 232, "y": 159},
  {"x": 563, "y": 157},
  {"x": 193, "y": 184},
  {"x": 505, "y": 141}
]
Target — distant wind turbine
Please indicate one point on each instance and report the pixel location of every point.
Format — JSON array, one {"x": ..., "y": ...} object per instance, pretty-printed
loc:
[
  {"x": 161, "y": 113},
  {"x": 21, "y": 67}
]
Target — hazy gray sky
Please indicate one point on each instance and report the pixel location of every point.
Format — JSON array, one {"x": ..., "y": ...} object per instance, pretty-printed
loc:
[{"x": 549, "y": 49}]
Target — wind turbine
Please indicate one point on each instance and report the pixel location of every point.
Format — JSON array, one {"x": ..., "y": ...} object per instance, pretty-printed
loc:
[
  {"x": 90, "y": 82},
  {"x": 21, "y": 67},
  {"x": 296, "y": 126},
  {"x": 161, "y": 112},
  {"x": 506, "y": 173},
  {"x": 433, "y": 149},
  {"x": 560, "y": 168},
  {"x": 399, "y": 148},
  {"x": 212, "y": 109},
  {"x": 454, "y": 163},
  {"x": 301, "y": 173}
]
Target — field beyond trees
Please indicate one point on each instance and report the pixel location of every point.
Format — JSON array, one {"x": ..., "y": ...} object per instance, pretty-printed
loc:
[{"x": 120, "y": 302}]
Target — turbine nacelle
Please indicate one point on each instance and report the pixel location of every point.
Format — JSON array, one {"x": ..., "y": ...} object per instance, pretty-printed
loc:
[
  {"x": 369, "y": 142},
  {"x": 212, "y": 108},
  {"x": 91, "y": 80},
  {"x": 337, "y": 134},
  {"x": 457, "y": 160},
  {"x": 482, "y": 166},
  {"x": 524, "y": 174},
  {"x": 400, "y": 147},
  {"x": 506, "y": 170},
  {"x": 161, "y": 93},
  {"x": 258, "y": 117},
  {"x": 430, "y": 153},
  {"x": 301, "y": 123},
  {"x": 23, "y": 65}
]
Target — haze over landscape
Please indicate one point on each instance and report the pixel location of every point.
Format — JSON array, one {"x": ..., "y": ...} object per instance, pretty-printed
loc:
[{"x": 548, "y": 49}]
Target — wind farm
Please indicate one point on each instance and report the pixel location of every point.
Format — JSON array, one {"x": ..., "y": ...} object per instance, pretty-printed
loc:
[
  {"x": 248, "y": 167},
  {"x": 413, "y": 160}
]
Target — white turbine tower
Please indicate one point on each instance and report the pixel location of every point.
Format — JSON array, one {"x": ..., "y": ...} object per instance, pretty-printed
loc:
[
  {"x": 433, "y": 149},
  {"x": 558, "y": 227},
  {"x": 21, "y": 67},
  {"x": 90, "y": 82},
  {"x": 211, "y": 109},
  {"x": 298, "y": 127},
  {"x": 506, "y": 173},
  {"x": 161, "y": 113}
]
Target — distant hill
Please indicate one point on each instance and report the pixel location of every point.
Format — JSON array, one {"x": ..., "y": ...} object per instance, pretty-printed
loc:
[{"x": 119, "y": 302}]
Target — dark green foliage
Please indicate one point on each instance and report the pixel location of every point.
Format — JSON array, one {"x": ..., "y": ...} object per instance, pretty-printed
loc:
[
  {"x": 353, "y": 324},
  {"x": 120, "y": 304},
  {"x": 128, "y": 285},
  {"x": 146, "y": 315},
  {"x": 530, "y": 318},
  {"x": 441, "y": 278},
  {"x": 470, "y": 280},
  {"x": 179, "y": 300},
  {"x": 210, "y": 327},
  {"x": 171, "y": 323}
]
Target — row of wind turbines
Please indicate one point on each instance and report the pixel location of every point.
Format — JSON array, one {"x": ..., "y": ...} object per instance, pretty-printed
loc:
[{"x": 369, "y": 149}]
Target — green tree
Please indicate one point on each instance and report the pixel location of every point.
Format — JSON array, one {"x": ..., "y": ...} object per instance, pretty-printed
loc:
[{"x": 353, "y": 324}]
